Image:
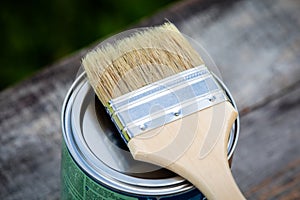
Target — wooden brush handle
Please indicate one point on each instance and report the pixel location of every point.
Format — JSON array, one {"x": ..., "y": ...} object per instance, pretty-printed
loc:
[{"x": 195, "y": 147}]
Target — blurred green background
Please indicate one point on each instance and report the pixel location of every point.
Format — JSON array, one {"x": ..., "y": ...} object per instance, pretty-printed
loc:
[{"x": 36, "y": 33}]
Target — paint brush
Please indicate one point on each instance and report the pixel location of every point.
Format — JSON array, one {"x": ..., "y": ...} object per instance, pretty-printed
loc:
[{"x": 167, "y": 106}]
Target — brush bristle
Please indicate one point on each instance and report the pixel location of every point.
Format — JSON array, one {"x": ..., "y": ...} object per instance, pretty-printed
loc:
[{"x": 138, "y": 60}]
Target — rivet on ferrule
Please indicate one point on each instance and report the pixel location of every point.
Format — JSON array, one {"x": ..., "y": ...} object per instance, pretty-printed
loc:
[
  {"x": 143, "y": 127},
  {"x": 177, "y": 113},
  {"x": 212, "y": 99}
]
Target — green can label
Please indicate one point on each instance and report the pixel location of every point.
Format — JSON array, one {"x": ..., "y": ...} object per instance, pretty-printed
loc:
[{"x": 75, "y": 184}]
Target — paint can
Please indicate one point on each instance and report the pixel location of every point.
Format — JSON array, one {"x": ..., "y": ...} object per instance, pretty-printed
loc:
[{"x": 96, "y": 163}]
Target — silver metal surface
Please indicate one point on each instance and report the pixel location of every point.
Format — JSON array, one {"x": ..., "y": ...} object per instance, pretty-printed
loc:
[{"x": 165, "y": 101}]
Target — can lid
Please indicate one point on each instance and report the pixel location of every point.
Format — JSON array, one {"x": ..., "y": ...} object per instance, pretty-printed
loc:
[{"x": 96, "y": 146}]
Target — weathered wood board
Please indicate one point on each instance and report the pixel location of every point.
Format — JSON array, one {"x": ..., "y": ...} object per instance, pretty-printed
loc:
[
  {"x": 267, "y": 160},
  {"x": 30, "y": 134},
  {"x": 256, "y": 46}
]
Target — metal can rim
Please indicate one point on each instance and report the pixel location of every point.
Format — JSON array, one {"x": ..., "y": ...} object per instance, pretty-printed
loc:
[{"x": 173, "y": 185}]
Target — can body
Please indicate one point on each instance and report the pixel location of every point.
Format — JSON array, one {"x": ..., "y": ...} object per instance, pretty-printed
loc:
[
  {"x": 76, "y": 184},
  {"x": 96, "y": 165}
]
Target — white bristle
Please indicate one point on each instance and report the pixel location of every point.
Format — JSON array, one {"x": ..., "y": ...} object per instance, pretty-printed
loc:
[{"x": 138, "y": 60}]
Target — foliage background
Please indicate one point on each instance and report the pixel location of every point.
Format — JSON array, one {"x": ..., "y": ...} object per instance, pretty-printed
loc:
[{"x": 35, "y": 33}]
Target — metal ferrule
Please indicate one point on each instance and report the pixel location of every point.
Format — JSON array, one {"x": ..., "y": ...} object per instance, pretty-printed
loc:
[{"x": 165, "y": 101}]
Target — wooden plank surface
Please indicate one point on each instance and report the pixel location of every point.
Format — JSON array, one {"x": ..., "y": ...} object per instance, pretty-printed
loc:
[
  {"x": 30, "y": 134},
  {"x": 256, "y": 46},
  {"x": 266, "y": 163}
]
